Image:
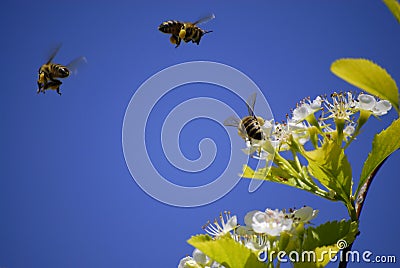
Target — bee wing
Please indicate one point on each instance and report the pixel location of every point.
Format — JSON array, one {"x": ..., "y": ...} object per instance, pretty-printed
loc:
[
  {"x": 74, "y": 64},
  {"x": 236, "y": 122},
  {"x": 250, "y": 103},
  {"x": 205, "y": 19},
  {"x": 53, "y": 53},
  {"x": 232, "y": 121}
]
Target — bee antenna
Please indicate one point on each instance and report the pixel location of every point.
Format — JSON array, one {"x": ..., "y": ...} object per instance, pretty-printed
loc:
[{"x": 206, "y": 32}]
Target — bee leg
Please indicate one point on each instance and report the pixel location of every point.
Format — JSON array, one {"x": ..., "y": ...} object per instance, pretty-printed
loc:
[
  {"x": 55, "y": 85},
  {"x": 39, "y": 87},
  {"x": 48, "y": 84},
  {"x": 178, "y": 42},
  {"x": 58, "y": 87}
]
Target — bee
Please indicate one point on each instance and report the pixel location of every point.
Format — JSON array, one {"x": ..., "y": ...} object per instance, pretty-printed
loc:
[
  {"x": 49, "y": 71},
  {"x": 249, "y": 127},
  {"x": 186, "y": 31}
]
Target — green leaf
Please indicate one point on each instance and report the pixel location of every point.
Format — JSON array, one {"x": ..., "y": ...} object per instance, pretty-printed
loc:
[
  {"x": 325, "y": 254},
  {"x": 321, "y": 243},
  {"x": 226, "y": 251},
  {"x": 368, "y": 76},
  {"x": 274, "y": 174},
  {"x": 305, "y": 265},
  {"x": 329, "y": 165},
  {"x": 394, "y": 7},
  {"x": 317, "y": 258},
  {"x": 383, "y": 145},
  {"x": 330, "y": 233}
]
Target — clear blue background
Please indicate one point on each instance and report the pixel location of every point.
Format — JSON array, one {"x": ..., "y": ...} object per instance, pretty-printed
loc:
[{"x": 67, "y": 198}]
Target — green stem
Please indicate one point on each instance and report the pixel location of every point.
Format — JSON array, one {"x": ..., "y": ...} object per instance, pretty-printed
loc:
[
  {"x": 302, "y": 179},
  {"x": 284, "y": 164},
  {"x": 339, "y": 129},
  {"x": 352, "y": 211},
  {"x": 296, "y": 159},
  {"x": 315, "y": 189},
  {"x": 363, "y": 118},
  {"x": 360, "y": 199}
]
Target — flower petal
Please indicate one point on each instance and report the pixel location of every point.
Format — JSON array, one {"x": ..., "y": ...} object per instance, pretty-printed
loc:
[{"x": 366, "y": 102}]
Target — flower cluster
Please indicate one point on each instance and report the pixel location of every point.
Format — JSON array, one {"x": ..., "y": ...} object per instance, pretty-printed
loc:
[
  {"x": 263, "y": 228},
  {"x": 304, "y": 124},
  {"x": 261, "y": 232},
  {"x": 307, "y": 151},
  {"x": 227, "y": 225}
]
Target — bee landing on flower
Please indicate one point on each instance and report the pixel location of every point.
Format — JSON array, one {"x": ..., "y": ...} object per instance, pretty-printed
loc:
[
  {"x": 303, "y": 125},
  {"x": 255, "y": 130}
]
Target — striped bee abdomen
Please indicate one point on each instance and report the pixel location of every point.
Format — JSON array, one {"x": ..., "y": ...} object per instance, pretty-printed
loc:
[
  {"x": 253, "y": 128},
  {"x": 197, "y": 34},
  {"x": 171, "y": 27}
]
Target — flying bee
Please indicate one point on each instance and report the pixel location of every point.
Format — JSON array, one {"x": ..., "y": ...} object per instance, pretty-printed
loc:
[
  {"x": 49, "y": 71},
  {"x": 186, "y": 31},
  {"x": 249, "y": 127}
]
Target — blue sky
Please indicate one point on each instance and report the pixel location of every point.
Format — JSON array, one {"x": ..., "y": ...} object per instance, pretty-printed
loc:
[{"x": 67, "y": 198}]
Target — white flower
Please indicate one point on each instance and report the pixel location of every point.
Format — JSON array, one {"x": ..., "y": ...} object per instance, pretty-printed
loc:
[
  {"x": 316, "y": 103},
  {"x": 351, "y": 103},
  {"x": 256, "y": 148},
  {"x": 349, "y": 130},
  {"x": 301, "y": 112},
  {"x": 270, "y": 222},
  {"x": 299, "y": 131},
  {"x": 252, "y": 147},
  {"x": 215, "y": 265},
  {"x": 369, "y": 103},
  {"x": 342, "y": 106},
  {"x": 305, "y": 109},
  {"x": 225, "y": 227},
  {"x": 267, "y": 127},
  {"x": 244, "y": 231},
  {"x": 199, "y": 260},
  {"x": 280, "y": 136},
  {"x": 188, "y": 262},
  {"x": 200, "y": 257},
  {"x": 257, "y": 242},
  {"x": 366, "y": 102},
  {"x": 283, "y": 131},
  {"x": 382, "y": 107},
  {"x": 304, "y": 214}
]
